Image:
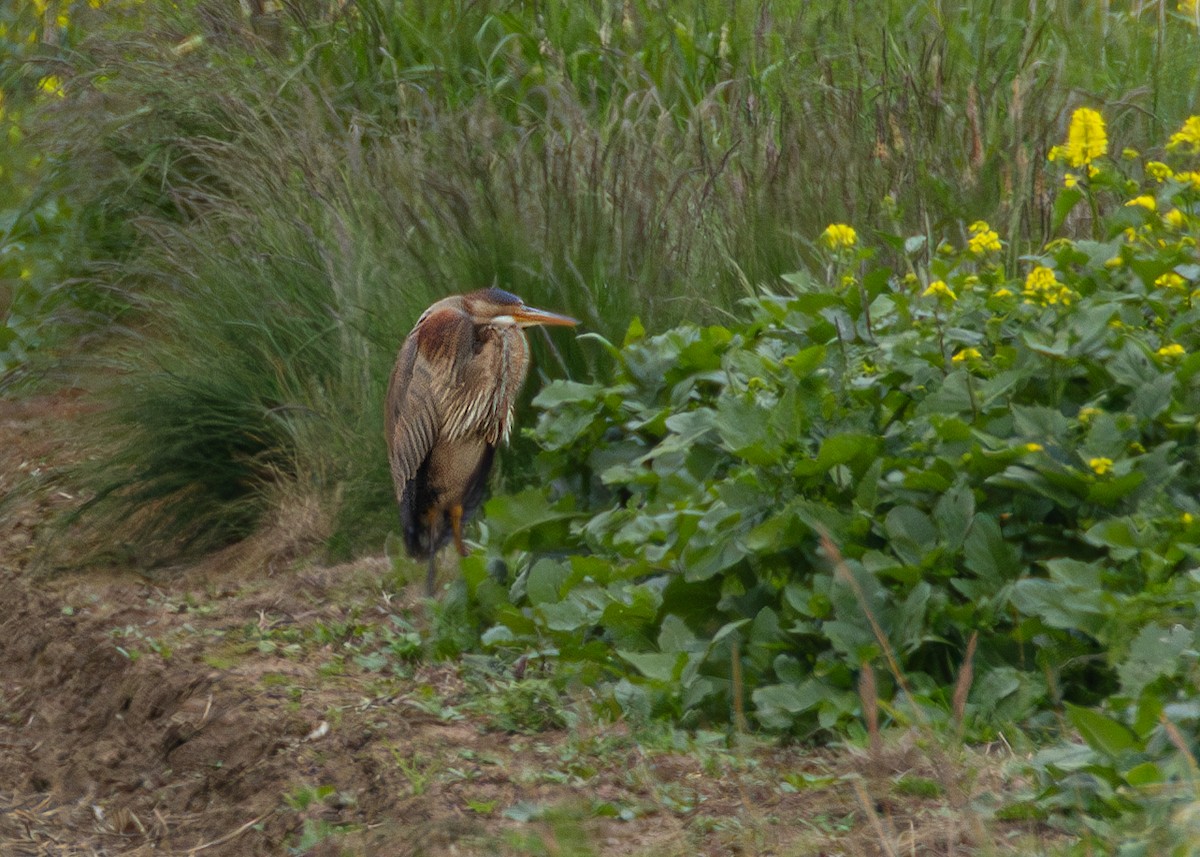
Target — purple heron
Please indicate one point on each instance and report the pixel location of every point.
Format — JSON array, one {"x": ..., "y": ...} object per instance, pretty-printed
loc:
[{"x": 449, "y": 405}]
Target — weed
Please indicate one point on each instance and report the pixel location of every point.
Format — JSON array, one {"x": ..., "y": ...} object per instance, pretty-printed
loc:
[{"x": 418, "y": 770}]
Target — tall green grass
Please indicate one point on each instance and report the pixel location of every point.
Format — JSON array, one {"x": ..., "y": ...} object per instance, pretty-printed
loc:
[{"x": 279, "y": 199}]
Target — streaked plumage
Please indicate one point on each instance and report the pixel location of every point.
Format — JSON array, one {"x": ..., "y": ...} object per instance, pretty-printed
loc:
[{"x": 449, "y": 405}]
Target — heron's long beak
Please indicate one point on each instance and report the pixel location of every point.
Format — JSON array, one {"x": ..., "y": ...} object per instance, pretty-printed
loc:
[{"x": 528, "y": 316}]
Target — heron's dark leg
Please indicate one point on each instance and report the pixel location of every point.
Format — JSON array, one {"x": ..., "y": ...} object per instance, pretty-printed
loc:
[
  {"x": 432, "y": 573},
  {"x": 456, "y": 516}
]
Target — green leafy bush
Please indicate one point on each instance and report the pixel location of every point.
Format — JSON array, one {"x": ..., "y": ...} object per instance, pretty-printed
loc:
[{"x": 1008, "y": 454}]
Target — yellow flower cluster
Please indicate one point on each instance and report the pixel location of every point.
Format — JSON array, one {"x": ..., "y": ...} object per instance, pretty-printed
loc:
[
  {"x": 1187, "y": 137},
  {"x": 983, "y": 240},
  {"x": 839, "y": 236},
  {"x": 42, "y": 5},
  {"x": 1087, "y": 139},
  {"x": 1174, "y": 351},
  {"x": 1043, "y": 288},
  {"x": 1171, "y": 281},
  {"x": 939, "y": 289},
  {"x": 965, "y": 355},
  {"x": 1145, "y": 201},
  {"x": 1191, "y": 178},
  {"x": 1159, "y": 171},
  {"x": 1101, "y": 466},
  {"x": 1086, "y": 415},
  {"x": 51, "y": 85}
]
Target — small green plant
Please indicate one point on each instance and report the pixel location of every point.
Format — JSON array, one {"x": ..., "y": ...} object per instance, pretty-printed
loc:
[
  {"x": 131, "y": 636},
  {"x": 418, "y": 770},
  {"x": 308, "y": 800}
]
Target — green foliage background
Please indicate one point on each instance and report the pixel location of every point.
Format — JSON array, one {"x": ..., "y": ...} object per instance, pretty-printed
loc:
[{"x": 250, "y": 210}]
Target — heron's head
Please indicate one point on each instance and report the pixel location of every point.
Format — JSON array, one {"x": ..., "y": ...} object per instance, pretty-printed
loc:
[{"x": 498, "y": 307}]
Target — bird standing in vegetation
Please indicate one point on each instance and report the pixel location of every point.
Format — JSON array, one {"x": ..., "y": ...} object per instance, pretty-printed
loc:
[{"x": 449, "y": 405}]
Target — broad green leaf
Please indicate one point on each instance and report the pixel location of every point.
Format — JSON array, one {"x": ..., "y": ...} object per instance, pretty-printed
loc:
[
  {"x": 676, "y": 636},
  {"x": 744, "y": 432},
  {"x": 1101, "y": 732},
  {"x": 634, "y": 333},
  {"x": 1145, "y": 774},
  {"x": 1154, "y": 397},
  {"x": 1155, "y": 652},
  {"x": 1108, "y": 491},
  {"x": 774, "y": 702},
  {"x": 545, "y": 578},
  {"x": 1066, "y": 200},
  {"x": 1118, "y": 535},
  {"x": 663, "y": 667},
  {"x": 558, "y": 393},
  {"x": 953, "y": 514},
  {"x": 843, "y": 448},
  {"x": 1059, "y": 605},
  {"x": 911, "y": 533},
  {"x": 566, "y": 615},
  {"x": 805, "y": 361}
]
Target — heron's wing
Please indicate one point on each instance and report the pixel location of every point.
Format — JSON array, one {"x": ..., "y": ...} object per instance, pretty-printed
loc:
[
  {"x": 424, "y": 390},
  {"x": 412, "y": 417}
]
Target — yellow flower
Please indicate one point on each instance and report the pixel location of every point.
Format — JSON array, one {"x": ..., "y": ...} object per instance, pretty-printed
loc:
[
  {"x": 848, "y": 281},
  {"x": 1041, "y": 279},
  {"x": 51, "y": 85},
  {"x": 1044, "y": 289},
  {"x": 1159, "y": 171},
  {"x": 1171, "y": 282},
  {"x": 1145, "y": 201},
  {"x": 1086, "y": 138},
  {"x": 1070, "y": 180},
  {"x": 1130, "y": 154},
  {"x": 839, "y": 236},
  {"x": 1002, "y": 293},
  {"x": 1034, "y": 447},
  {"x": 983, "y": 239},
  {"x": 1101, "y": 466},
  {"x": 1171, "y": 352},
  {"x": 1136, "y": 448},
  {"x": 1186, "y": 518},
  {"x": 1086, "y": 414},
  {"x": 1114, "y": 262},
  {"x": 938, "y": 289},
  {"x": 1175, "y": 218},
  {"x": 1191, "y": 178},
  {"x": 965, "y": 355},
  {"x": 1187, "y": 137}
]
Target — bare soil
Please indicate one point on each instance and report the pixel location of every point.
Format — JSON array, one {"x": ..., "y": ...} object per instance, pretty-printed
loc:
[{"x": 246, "y": 707}]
